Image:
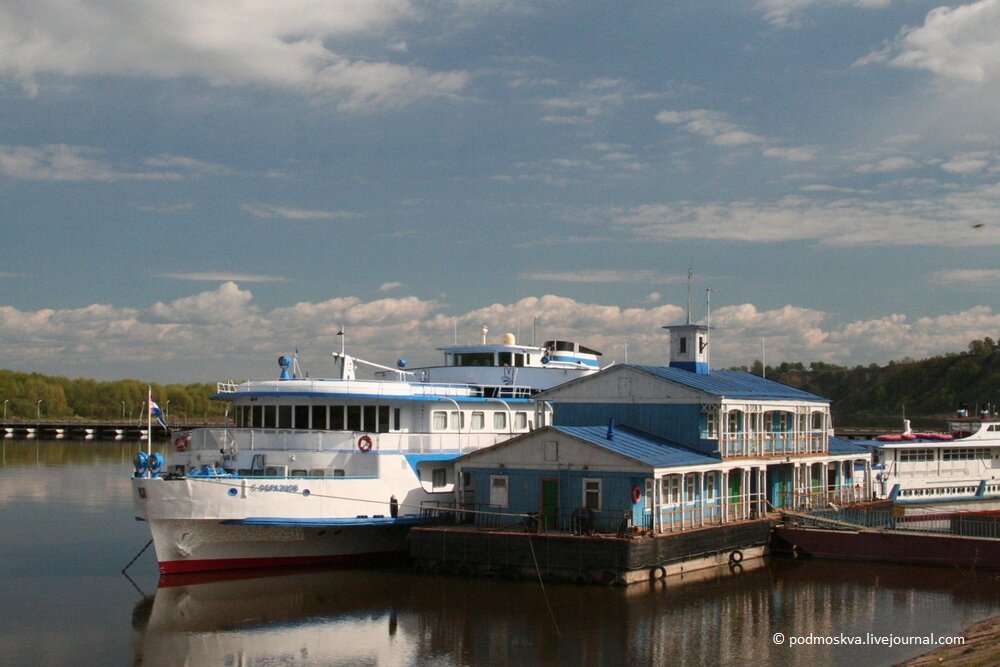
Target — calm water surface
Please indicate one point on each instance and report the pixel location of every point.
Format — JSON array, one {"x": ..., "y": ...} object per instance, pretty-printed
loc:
[{"x": 66, "y": 531}]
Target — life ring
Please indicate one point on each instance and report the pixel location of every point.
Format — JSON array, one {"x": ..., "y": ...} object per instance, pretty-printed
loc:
[
  {"x": 736, "y": 557},
  {"x": 181, "y": 443},
  {"x": 636, "y": 494},
  {"x": 365, "y": 443}
]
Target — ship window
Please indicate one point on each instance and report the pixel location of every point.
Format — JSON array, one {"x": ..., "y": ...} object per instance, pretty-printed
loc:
[
  {"x": 395, "y": 419},
  {"x": 301, "y": 416},
  {"x": 564, "y": 346},
  {"x": 592, "y": 494},
  {"x": 478, "y": 421},
  {"x": 353, "y": 417},
  {"x": 371, "y": 418},
  {"x": 498, "y": 490},
  {"x": 457, "y": 420},
  {"x": 439, "y": 421},
  {"x": 337, "y": 417},
  {"x": 474, "y": 359},
  {"x": 270, "y": 416},
  {"x": 258, "y": 416},
  {"x": 284, "y": 416},
  {"x": 383, "y": 419},
  {"x": 506, "y": 358},
  {"x": 520, "y": 420},
  {"x": 499, "y": 421},
  {"x": 519, "y": 359},
  {"x": 439, "y": 478},
  {"x": 319, "y": 417}
]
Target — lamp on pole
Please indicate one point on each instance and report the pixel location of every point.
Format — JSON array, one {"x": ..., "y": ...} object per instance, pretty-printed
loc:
[
  {"x": 6, "y": 401},
  {"x": 123, "y": 410},
  {"x": 39, "y": 410}
]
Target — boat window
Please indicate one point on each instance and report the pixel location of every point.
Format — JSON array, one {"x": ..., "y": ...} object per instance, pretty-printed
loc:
[
  {"x": 258, "y": 416},
  {"x": 397, "y": 425},
  {"x": 592, "y": 494},
  {"x": 337, "y": 417},
  {"x": 519, "y": 360},
  {"x": 499, "y": 421},
  {"x": 298, "y": 472},
  {"x": 438, "y": 478},
  {"x": 474, "y": 359},
  {"x": 371, "y": 418},
  {"x": 353, "y": 417},
  {"x": 587, "y": 350},
  {"x": 478, "y": 421},
  {"x": 565, "y": 346},
  {"x": 506, "y": 358},
  {"x": 439, "y": 421},
  {"x": 910, "y": 455},
  {"x": 319, "y": 417},
  {"x": 520, "y": 420},
  {"x": 284, "y": 416},
  {"x": 457, "y": 421},
  {"x": 383, "y": 419},
  {"x": 498, "y": 490},
  {"x": 301, "y": 416},
  {"x": 270, "y": 416}
]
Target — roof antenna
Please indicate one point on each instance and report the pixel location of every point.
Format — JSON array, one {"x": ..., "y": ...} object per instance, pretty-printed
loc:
[{"x": 690, "y": 273}]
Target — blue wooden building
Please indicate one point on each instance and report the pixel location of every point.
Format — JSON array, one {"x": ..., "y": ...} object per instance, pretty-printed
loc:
[{"x": 667, "y": 448}]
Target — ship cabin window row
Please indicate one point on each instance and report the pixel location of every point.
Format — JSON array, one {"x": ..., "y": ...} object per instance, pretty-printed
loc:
[
  {"x": 455, "y": 420},
  {"x": 965, "y": 454},
  {"x": 941, "y": 491},
  {"x": 369, "y": 418},
  {"x": 516, "y": 359}
]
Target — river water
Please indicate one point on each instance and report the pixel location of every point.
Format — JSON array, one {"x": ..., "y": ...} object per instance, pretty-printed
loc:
[{"x": 67, "y": 530}]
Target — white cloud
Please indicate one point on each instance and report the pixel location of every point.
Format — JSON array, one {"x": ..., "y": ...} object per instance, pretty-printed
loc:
[
  {"x": 960, "y": 43},
  {"x": 266, "y": 211},
  {"x": 968, "y": 163},
  {"x": 223, "y": 333},
  {"x": 786, "y": 13},
  {"x": 288, "y": 45},
  {"x": 969, "y": 276},
  {"x": 961, "y": 218},
  {"x": 716, "y": 127},
  {"x": 62, "y": 162},
  {"x": 221, "y": 276},
  {"x": 889, "y": 164},
  {"x": 390, "y": 286}
]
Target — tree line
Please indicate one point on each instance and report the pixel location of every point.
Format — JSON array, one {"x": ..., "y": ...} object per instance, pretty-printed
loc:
[
  {"x": 28, "y": 396},
  {"x": 923, "y": 391}
]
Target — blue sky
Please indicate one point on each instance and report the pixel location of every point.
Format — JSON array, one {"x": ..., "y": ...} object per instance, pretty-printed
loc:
[{"x": 190, "y": 188}]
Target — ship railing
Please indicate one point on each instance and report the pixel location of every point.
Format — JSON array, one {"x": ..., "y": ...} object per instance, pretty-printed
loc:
[
  {"x": 232, "y": 440},
  {"x": 949, "y": 523}
]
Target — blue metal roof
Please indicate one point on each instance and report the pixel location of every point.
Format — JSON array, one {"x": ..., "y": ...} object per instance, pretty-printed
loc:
[
  {"x": 731, "y": 384},
  {"x": 638, "y": 446},
  {"x": 843, "y": 446}
]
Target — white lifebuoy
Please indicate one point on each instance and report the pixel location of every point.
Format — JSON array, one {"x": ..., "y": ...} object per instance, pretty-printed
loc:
[{"x": 365, "y": 443}]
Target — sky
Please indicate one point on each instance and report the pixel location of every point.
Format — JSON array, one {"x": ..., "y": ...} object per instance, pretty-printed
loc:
[{"x": 189, "y": 189}]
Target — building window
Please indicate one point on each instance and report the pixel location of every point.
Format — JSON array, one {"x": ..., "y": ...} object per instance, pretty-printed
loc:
[
  {"x": 712, "y": 425},
  {"x": 710, "y": 485},
  {"x": 690, "y": 487},
  {"x": 592, "y": 494},
  {"x": 682, "y": 345},
  {"x": 500, "y": 421},
  {"x": 671, "y": 489},
  {"x": 498, "y": 490},
  {"x": 439, "y": 478}
]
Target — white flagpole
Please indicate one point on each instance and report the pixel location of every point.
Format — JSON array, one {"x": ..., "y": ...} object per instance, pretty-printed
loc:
[{"x": 149, "y": 420}]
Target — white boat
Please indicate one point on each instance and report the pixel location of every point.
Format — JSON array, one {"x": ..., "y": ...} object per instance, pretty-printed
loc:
[
  {"x": 961, "y": 463},
  {"x": 320, "y": 470},
  {"x": 509, "y": 363}
]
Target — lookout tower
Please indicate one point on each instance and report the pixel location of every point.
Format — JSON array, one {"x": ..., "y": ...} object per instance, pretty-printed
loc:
[{"x": 689, "y": 347}]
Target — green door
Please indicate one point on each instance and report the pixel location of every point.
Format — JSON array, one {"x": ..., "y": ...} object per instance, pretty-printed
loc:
[{"x": 550, "y": 502}]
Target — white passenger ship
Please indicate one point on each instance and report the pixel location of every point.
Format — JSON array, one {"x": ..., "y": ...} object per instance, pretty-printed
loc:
[
  {"x": 961, "y": 463},
  {"x": 336, "y": 470}
]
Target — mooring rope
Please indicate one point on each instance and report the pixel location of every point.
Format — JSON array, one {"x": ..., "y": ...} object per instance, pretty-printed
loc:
[
  {"x": 541, "y": 583},
  {"x": 141, "y": 551}
]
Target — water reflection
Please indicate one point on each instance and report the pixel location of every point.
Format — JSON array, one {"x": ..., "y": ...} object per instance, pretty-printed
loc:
[
  {"x": 66, "y": 530},
  {"x": 379, "y": 617}
]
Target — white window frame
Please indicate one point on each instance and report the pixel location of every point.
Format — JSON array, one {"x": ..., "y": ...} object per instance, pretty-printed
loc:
[{"x": 592, "y": 485}]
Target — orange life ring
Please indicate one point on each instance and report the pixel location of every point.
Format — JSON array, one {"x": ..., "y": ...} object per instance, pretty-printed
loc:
[
  {"x": 181, "y": 443},
  {"x": 365, "y": 443},
  {"x": 636, "y": 494}
]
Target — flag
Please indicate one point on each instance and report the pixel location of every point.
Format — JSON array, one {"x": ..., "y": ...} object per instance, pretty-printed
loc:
[{"x": 154, "y": 411}]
